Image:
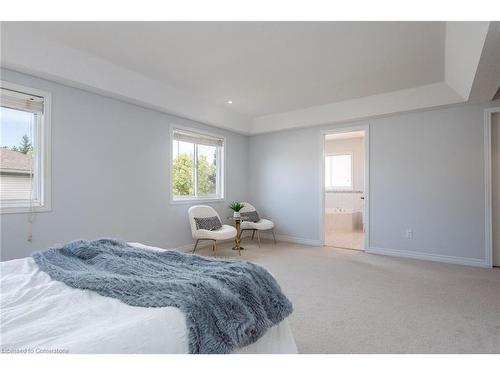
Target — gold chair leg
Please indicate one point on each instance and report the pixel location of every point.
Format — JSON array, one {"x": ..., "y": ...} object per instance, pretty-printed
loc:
[
  {"x": 274, "y": 236},
  {"x": 214, "y": 248},
  {"x": 253, "y": 234},
  {"x": 195, "y": 245},
  {"x": 258, "y": 236}
]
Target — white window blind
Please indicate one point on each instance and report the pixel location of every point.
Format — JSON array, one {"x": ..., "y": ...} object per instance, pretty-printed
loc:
[
  {"x": 186, "y": 136},
  {"x": 21, "y": 101}
]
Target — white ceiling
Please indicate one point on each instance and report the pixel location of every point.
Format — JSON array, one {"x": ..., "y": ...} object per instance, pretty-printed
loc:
[
  {"x": 267, "y": 67},
  {"x": 279, "y": 75}
]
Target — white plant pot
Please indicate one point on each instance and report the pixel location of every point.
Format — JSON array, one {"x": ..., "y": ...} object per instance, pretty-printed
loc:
[{"x": 236, "y": 214}]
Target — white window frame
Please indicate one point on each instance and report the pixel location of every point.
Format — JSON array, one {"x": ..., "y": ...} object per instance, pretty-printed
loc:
[
  {"x": 221, "y": 168},
  {"x": 41, "y": 160},
  {"x": 342, "y": 188}
]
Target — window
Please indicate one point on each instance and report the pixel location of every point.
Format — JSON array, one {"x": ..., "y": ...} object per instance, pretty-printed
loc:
[
  {"x": 197, "y": 171},
  {"x": 338, "y": 172},
  {"x": 24, "y": 149}
]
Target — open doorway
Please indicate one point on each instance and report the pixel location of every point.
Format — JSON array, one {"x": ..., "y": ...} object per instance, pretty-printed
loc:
[{"x": 344, "y": 188}]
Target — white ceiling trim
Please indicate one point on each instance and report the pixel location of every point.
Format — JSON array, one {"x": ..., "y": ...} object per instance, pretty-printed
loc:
[
  {"x": 427, "y": 96},
  {"x": 46, "y": 59}
]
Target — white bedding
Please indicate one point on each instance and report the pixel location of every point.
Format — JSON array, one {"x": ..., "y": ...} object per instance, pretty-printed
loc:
[{"x": 40, "y": 315}]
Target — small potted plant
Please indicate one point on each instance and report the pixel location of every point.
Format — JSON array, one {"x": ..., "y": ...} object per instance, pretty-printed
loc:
[{"x": 236, "y": 207}]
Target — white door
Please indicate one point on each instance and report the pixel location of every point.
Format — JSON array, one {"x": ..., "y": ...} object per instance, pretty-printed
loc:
[{"x": 495, "y": 180}]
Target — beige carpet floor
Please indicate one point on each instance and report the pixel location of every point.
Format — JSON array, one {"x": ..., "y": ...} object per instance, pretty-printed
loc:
[{"x": 347, "y": 301}]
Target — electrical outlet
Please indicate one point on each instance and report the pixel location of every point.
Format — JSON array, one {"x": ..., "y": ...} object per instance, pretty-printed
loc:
[
  {"x": 409, "y": 234},
  {"x": 30, "y": 238}
]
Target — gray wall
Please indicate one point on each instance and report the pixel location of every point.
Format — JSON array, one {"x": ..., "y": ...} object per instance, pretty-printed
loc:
[
  {"x": 110, "y": 178},
  {"x": 426, "y": 173},
  {"x": 110, "y": 174}
]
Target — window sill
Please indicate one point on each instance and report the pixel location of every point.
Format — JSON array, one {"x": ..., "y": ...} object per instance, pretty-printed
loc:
[
  {"x": 195, "y": 200},
  {"x": 24, "y": 210}
]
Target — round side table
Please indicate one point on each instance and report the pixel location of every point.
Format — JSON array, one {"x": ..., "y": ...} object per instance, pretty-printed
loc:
[{"x": 237, "y": 224}]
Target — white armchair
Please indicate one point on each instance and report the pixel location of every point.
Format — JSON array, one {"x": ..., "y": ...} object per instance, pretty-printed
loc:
[
  {"x": 262, "y": 224},
  {"x": 227, "y": 232}
]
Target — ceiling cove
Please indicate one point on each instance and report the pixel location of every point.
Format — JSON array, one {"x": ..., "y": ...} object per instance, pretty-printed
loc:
[{"x": 258, "y": 77}]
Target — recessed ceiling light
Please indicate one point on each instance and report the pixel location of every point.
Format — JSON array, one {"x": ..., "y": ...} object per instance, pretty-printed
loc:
[{"x": 229, "y": 102}]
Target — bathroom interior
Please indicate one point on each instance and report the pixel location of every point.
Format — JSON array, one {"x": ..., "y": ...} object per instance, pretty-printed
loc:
[{"x": 344, "y": 190}]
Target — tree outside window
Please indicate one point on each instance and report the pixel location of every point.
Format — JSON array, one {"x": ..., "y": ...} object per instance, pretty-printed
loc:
[{"x": 195, "y": 170}]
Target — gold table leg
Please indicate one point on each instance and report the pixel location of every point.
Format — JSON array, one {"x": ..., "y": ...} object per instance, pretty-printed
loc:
[{"x": 237, "y": 239}]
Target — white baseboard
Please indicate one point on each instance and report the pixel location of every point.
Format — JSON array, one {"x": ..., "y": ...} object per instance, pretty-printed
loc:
[
  {"x": 428, "y": 256},
  {"x": 371, "y": 250}
]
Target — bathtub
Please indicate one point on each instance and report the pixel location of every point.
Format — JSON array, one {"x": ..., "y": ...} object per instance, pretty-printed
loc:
[
  {"x": 343, "y": 220},
  {"x": 339, "y": 211}
]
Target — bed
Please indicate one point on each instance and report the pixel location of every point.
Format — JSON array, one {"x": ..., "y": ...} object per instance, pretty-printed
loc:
[{"x": 40, "y": 315}]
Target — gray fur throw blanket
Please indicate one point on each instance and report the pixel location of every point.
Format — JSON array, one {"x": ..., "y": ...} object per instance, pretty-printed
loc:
[{"x": 228, "y": 304}]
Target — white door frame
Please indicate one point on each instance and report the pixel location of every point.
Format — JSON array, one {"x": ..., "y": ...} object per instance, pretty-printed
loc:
[
  {"x": 488, "y": 209},
  {"x": 366, "y": 190}
]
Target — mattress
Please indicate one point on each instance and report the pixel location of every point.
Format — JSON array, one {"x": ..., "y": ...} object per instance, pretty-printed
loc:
[{"x": 40, "y": 315}]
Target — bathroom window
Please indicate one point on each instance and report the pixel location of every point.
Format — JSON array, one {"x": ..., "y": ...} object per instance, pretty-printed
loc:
[{"x": 338, "y": 172}]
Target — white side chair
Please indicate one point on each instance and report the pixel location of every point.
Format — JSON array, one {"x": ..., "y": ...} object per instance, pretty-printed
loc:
[
  {"x": 227, "y": 232},
  {"x": 262, "y": 224}
]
